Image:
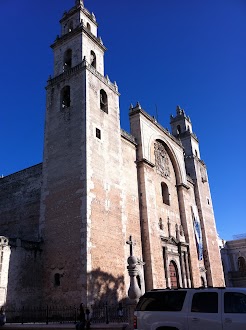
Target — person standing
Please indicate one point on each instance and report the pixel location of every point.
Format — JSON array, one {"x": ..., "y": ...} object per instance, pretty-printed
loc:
[{"x": 81, "y": 324}]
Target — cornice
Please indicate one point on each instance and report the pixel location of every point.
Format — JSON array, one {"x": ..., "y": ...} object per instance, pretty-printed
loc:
[
  {"x": 78, "y": 68},
  {"x": 81, "y": 28},
  {"x": 127, "y": 136},
  {"x": 182, "y": 185},
  {"x": 135, "y": 111},
  {"x": 144, "y": 161},
  {"x": 73, "y": 10}
]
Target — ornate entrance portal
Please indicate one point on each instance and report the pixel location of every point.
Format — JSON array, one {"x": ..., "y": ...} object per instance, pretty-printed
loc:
[{"x": 176, "y": 263}]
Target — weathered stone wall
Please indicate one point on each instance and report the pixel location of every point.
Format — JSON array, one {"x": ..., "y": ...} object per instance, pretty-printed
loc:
[
  {"x": 63, "y": 201},
  {"x": 131, "y": 212},
  {"x": 19, "y": 222},
  {"x": 106, "y": 234},
  {"x": 24, "y": 285},
  {"x": 20, "y": 204}
]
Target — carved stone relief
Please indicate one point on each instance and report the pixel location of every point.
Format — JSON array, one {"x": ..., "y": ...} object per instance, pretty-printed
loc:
[{"x": 161, "y": 160}]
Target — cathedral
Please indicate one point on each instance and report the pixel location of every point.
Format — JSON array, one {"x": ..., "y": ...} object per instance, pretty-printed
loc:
[{"x": 101, "y": 194}]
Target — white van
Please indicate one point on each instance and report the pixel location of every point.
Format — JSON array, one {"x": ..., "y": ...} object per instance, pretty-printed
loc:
[{"x": 192, "y": 309}]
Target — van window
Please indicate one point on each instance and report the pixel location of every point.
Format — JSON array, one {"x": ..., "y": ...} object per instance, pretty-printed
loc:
[
  {"x": 205, "y": 302},
  {"x": 234, "y": 302},
  {"x": 167, "y": 301}
]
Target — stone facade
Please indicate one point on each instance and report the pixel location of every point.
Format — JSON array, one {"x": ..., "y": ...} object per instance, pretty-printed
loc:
[
  {"x": 69, "y": 219},
  {"x": 233, "y": 254}
]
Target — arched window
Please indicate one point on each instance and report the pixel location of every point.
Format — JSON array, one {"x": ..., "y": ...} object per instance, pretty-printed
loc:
[
  {"x": 88, "y": 26},
  {"x": 103, "y": 101},
  {"x": 241, "y": 264},
  {"x": 161, "y": 224},
  {"x": 65, "y": 97},
  {"x": 57, "y": 279},
  {"x": 67, "y": 63},
  {"x": 178, "y": 129},
  {"x": 93, "y": 59},
  {"x": 165, "y": 193},
  {"x": 70, "y": 26}
]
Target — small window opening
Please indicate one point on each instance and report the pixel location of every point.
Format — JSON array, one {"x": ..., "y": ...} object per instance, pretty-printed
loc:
[
  {"x": 98, "y": 133},
  {"x": 208, "y": 201},
  {"x": 176, "y": 231},
  {"x": 161, "y": 224},
  {"x": 88, "y": 26},
  {"x": 178, "y": 129},
  {"x": 70, "y": 27},
  {"x": 165, "y": 193},
  {"x": 93, "y": 59},
  {"x": 103, "y": 101},
  {"x": 57, "y": 279},
  {"x": 196, "y": 153},
  {"x": 67, "y": 60},
  {"x": 65, "y": 97}
]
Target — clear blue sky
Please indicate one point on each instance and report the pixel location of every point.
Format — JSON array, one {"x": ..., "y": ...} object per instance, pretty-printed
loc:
[{"x": 161, "y": 53}]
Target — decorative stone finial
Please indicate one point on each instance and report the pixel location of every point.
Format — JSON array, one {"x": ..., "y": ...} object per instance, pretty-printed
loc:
[
  {"x": 178, "y": 110},
  {"x": 93, "y": 17},
  {"x": 138, "y": 106},
  {"x": 79, "y": 3},
  {"x": 115, "y": 86}
]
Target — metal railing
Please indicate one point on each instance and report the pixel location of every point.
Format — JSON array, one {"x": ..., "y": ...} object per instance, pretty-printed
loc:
[{"x": 101, "y": 313}]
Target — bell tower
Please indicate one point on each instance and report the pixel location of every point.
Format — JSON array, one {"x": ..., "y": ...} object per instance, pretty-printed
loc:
[
  {"x": 196, "y": 169},
  {"x": 82, "y": 137}
]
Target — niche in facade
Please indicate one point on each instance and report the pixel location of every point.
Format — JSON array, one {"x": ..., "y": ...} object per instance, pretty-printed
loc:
[
  {"x": 165, "y": 193},
  {"x": 88, "y": 27},
  {"x": 65, "y": 97},
  {"x": 178, "y": 129},
  {"x": 93, "y": 59},
  {"x": 103, "y": 101},
  {"x": 67, "y": 62},
  {"x": 70, "y": 26}
]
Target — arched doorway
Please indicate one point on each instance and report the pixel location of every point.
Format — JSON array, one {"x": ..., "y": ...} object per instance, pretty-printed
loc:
[{"x": 173, "y": 270}]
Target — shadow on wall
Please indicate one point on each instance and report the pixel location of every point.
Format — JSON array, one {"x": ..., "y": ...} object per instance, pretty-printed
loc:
[
  {"x": 24, "y": 280},
  {"x": 104, "y": 287},
  {"x": 24, "y": 287}
]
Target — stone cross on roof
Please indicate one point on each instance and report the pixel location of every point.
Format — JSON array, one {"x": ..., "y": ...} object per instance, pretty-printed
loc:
[{"x": 131, "y": 243}]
